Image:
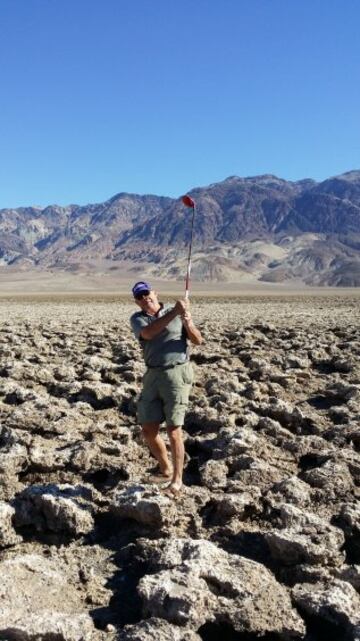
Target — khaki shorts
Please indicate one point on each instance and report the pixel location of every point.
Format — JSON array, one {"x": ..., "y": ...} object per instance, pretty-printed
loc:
[{"x": 165, "y": 394}]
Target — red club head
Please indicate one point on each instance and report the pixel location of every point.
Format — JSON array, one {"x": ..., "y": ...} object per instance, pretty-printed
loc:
[{"x": 187, "y": 201}]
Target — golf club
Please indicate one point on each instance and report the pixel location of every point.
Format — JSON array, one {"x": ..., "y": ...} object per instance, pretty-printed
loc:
[{"x": 188, "y": 202}]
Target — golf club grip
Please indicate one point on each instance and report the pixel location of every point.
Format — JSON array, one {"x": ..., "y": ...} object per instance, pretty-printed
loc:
[{"x": 187, "y": 283}]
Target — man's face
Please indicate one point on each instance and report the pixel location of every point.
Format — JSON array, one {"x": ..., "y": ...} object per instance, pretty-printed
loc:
[{"x": 148, "y": 302}]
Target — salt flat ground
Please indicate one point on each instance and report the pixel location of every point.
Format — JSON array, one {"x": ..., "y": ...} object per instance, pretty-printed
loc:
[
  {"x": 272, "y": 473},
  {"x": 308, "y": 306}
]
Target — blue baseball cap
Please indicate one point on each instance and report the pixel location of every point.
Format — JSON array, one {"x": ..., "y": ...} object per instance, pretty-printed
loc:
[{"x": 140, "y": 287}]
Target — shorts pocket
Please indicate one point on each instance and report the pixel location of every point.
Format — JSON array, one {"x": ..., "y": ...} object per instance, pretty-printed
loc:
[
  {"x": 188, "y": 374},
  {"x": 175, "y": 406}
]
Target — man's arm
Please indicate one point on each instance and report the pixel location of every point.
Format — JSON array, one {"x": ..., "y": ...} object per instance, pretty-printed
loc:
[
  {"x": 157, "y": 326},
  {"x": 193, "y": 334}
]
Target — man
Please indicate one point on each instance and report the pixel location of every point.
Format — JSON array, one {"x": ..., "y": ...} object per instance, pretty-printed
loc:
[{"x": 164, "y": 332}]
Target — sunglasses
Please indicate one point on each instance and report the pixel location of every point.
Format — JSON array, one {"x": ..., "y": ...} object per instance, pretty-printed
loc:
[{"x": 141, "y": 295}]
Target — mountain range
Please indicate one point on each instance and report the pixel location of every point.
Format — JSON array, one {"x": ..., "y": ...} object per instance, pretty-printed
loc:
[{"x": 259, "y": 228}]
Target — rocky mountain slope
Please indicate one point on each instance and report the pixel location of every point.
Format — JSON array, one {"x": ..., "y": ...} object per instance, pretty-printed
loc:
[{"x": 261, "y": 228}]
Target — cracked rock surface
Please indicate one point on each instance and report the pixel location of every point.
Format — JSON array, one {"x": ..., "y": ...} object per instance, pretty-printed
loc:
[{"x": 264, "y": 542}]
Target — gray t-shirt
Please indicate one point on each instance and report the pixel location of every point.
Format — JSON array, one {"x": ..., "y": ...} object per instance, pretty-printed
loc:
[{"x": 167, "y": 348}]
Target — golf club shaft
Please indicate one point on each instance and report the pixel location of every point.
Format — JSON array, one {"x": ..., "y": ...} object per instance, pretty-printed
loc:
[
  {"x": 187, "y": 282},
  {"x": 188, "y": 271}
]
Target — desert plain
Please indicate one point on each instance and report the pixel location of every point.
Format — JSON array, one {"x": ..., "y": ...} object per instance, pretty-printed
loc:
[{"x": 264, "y": 542}]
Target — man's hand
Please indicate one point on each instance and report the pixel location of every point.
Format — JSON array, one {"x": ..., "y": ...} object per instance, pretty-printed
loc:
[
  {"x": 181, "y": 306},
  {"x": 193, "y": 333},
  {"x": 186, "y": 317}
]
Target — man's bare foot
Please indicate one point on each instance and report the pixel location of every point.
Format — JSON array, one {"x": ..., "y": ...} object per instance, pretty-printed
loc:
[
  {"x": 167, "y": 472},
  {"x": 161, "y": 476},
  {"x": 158, "y": 478},
  {"x": 174, "y": 489}
]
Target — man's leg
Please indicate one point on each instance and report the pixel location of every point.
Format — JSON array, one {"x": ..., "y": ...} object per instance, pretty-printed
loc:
[
  {"x": 177, "y": 453},
  {"x": 157, "y": 447},
  {"x": 174, "y": 391}
]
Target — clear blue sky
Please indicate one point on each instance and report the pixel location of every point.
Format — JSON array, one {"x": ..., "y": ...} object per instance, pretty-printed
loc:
[{"x": 159, "y": 96}]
